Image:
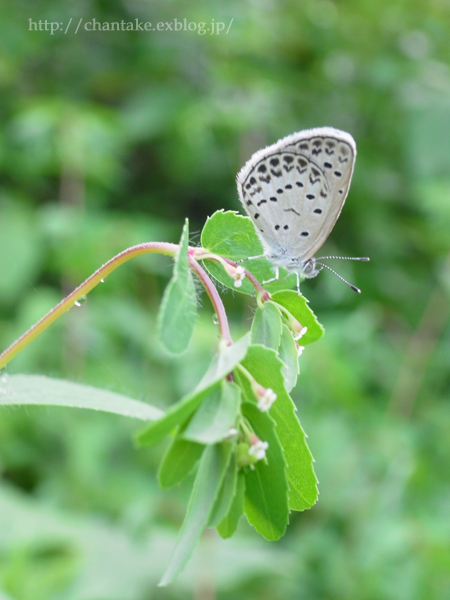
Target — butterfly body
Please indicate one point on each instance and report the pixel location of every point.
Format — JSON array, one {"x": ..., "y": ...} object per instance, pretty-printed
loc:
[{"x": 294, "y": 191}]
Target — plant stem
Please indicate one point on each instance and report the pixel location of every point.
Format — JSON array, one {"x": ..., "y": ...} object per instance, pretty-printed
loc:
[
  {"x": 258, "y": 287},
  {"x": 215, "y": 299},
  {"x": 82, "y": 290}
]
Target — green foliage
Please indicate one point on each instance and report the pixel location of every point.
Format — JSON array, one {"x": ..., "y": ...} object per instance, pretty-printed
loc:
[
  {"x": 179, "y": 460},
  {"x": 110, "y": 139},
  {"x": 225, "y": 499},
  {"x": 43, "y": 391},
  {"x": 266, "y": 326},
  {"x": 211, "y": 473},
  {"x": 178, "y": 312},
  {"x": 228, "y": 525},
  {"x": 266, "y": 486},
  {"x": 288, "y": 354},
  {"x": 216, "y": 415},
  {"x": 266, "y": 368},
  {"x": 298, "y": 307},
  {"x": 233, "y": 236},
  {"x": 177, "y": 415}
]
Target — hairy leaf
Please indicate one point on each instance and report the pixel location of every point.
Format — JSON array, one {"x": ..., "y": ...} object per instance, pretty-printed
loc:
[
  {"x": 40, "y": 390},
  {"x": 178, "y": 310}
]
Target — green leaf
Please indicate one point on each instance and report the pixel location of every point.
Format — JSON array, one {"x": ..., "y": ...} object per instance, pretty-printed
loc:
[
  {"x": 222, "y": 364},
  {"x": 266, "y": 326},
  {"x": 266, "y": 368},
  {"x": 216, "y": 415},
  {"x": 40, "y": 390},
  {"x": 298, "y": 307},
  {"x": 211, "y": 472},
  {"x": 288, "y": 354},
  {"x": 231, "y": 235},
  {"x": 266, "y": 487},
  {"x": 228, "y": 525},
  {"x": 226, "y": 495},
  {"x": 178, "y": 310},
  {"x": 179, "y": 460}
]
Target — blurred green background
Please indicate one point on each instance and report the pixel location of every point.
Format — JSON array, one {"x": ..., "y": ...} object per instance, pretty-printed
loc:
[{"x": 109, "y": 139}]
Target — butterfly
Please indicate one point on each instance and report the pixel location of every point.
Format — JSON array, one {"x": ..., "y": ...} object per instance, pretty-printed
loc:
[{"x": 294, "y": 191}]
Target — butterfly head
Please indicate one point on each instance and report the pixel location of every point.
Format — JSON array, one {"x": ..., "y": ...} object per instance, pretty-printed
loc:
[{"x": 308, "y": 268}]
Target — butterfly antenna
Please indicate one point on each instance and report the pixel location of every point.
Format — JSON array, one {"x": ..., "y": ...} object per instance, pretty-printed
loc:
[
  {"x": 362, "y": 258},
  {"x": 354, "y": 288}
]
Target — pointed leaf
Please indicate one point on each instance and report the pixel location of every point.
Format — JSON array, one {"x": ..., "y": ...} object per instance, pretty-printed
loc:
[
  {"x": 180, "y": 459},
  {"x": 288, "y": 354},
  {"x": 228, "y": 525},
  {"x": 225, "y": 498},
  {"x": 298, "y": 307},
  {"x": 178, "y": 310},
  {"x": 222, "y": 364},
  {"x": 266, "y": 326},
  {"x": 211, "y": 472},
  {"x": 266, "y": 493},
  {"x": 216, "y": 415},
  {"x": 266, "y": 368},
  {"x": 40, "y": 390}
]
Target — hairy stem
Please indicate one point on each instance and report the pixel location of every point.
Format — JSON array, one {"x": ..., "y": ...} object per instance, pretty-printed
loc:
[
  {"x": 215, "y": 299},
  {"x": 82, "y": 290}
]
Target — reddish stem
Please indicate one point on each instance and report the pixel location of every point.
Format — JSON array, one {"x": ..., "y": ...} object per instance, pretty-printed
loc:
[
  {"x": 82, "y": 290},
  {"x": 214, "y": 297}
]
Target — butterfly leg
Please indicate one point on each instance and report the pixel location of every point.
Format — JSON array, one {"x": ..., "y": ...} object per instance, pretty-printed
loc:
[
  {"x": 277, "y": 274},
  {"x": 298, "y": 283},
  {"x": 249, "y": 258}
]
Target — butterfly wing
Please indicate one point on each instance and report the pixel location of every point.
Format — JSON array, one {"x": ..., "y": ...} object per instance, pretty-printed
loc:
[{"x": 295, "y": 189}]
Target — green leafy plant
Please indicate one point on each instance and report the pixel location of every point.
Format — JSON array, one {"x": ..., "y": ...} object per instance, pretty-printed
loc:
[{"x": 238, "y": 428}]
